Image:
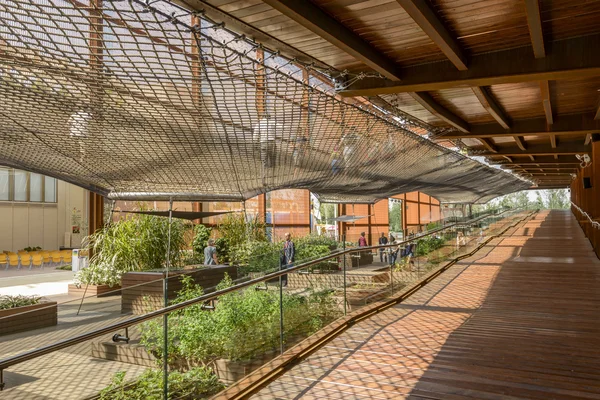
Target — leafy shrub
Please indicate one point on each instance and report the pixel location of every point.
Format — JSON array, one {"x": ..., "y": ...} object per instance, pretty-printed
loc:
[
  {"x": 222, "y": 246},
  {"x": 198, "y": 382},
  {"x": 20, "y": 300},
  {"x": 36, "y": 248},
  {"x": 134, "y": 244},
  {"x": 256, "y": 256},
  {"x": 428, "y": 244},
  {"x": 320, "y": 240},
  {"x": 244, "y": 324},
  {"x": 308, "y": 252},
  {"x": 201, "y": 235}
]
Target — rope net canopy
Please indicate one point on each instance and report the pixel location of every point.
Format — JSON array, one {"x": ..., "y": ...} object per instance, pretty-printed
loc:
[{"x": 136, "y": 99}]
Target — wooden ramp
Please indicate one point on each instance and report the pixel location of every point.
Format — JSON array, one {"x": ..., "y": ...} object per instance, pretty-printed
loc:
[{"x": 519, "y": 320}]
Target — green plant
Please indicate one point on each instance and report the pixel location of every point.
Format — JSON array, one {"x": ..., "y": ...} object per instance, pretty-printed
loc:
[
  {"x": 236, "y": 229},
  {"x": 222, "y": 246},
  {"x": 243, "y": 325},
  {"x": 308, "y": 252},
  {"x": 201, "y": 235},
  {"x": 321, "y": 240},
  {"x": 428, "y": 244},
  {"x": 254, "y": 256},
  {"x": 135, "y": 244},
  {"x": 196, "y": 383},
  {"x": 20, "y": 300},
  {"x": 32, "y": 248}
]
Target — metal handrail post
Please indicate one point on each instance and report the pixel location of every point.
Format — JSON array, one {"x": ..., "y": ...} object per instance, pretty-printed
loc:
[{"x": 166, "y": 316}]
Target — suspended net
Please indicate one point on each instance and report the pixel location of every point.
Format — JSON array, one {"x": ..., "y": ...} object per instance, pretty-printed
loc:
[{"x": 145, "y": 100}]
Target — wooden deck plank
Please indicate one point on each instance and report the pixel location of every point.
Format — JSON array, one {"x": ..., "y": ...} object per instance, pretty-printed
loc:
[{"x": 518, "y": 320}]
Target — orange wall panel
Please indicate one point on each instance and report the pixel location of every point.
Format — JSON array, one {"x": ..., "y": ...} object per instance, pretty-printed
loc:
[{"x": 412, "y": 196}]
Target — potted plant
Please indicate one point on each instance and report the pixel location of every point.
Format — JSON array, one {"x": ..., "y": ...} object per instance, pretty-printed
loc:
[{"x": 138, "y": 243}]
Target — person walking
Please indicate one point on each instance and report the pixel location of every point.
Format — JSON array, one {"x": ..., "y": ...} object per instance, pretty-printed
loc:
[
  {"x": 383, "y": 252},
  {"x": 362, "y": 240},
  {"x": 210, "y": 253},
  {"x": 287, "y": 259}
]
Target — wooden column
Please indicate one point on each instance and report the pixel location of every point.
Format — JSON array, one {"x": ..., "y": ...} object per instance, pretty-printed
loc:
[
  {"x": 370, "y": 231},
  {"x": 95, "y": 213}
]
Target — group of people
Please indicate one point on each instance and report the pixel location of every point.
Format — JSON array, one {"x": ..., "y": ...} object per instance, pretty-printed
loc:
[
  {"x": 390, "y": 252},
  {"x": 287, "y": 255}
]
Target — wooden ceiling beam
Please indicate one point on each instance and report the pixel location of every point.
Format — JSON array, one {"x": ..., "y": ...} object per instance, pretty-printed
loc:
[
  {"x": 489, "y": 145},
  {"x": 545, "y": 91},
  {"x": 520, "y": 143},
  {"x": 570, "y": 58},
  {"x": 488, "y": 102},
  {"x": 429, "y": 22},
  {"x": 318, "y": 21},
  {"x": 534, "y": 22},
  {"x": 542, "y": 168},
  {"x": 240, "y": 26},
  {"x": 539, "y": 149},
  {"x": 573, "y": 163},
  {"x": 444, "y": 114},
  {"x": 566, "y": 174},
  {"x": 575, "y": 124}
]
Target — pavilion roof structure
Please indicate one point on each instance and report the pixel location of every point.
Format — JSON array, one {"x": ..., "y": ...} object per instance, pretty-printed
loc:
[
  {"x": 157, "y": 100},
  {"x": 516, "y": 81}
]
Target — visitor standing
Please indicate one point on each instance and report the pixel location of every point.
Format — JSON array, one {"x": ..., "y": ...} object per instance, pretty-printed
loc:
[
  {"x": 362, "y": 241},
  {"x": 210, "y": 253},
  {"x": 382, "y": 252},
  {"x": 287, "y": 260}
]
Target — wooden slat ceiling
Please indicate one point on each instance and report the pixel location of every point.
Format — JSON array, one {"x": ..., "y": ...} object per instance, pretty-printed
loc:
[{"x": 402, "y": 34}]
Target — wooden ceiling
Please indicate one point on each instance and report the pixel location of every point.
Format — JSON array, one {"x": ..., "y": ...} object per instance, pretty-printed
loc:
[{"x": 517, "y": 80}]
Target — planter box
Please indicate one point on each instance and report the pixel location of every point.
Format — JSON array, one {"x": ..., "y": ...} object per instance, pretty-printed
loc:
[
  {"x": 37, "y": 316},
  {"x": 232, "y": 371},
  {"x": 130, "y": 353},
  {"x": 142, "y": 292},
  {"x": 94, "y": 290}
]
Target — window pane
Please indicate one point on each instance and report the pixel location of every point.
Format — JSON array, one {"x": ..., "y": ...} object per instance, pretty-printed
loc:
[
  {"x": 4, "y": 175},
  {"x": 35, "y": 187},
  {"x": 50, "y": 190},
  {"x": 20, "y": 185}
]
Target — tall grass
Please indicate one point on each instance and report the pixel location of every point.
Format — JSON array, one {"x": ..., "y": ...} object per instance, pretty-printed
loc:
[{"x": 138, "y": 243}]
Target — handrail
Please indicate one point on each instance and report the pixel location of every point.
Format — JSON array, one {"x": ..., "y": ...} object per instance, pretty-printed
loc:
[
  {"x": 31, "y": 354},
  {"x": 595, "y": 224},
  {"x": 258, "y": 379}
]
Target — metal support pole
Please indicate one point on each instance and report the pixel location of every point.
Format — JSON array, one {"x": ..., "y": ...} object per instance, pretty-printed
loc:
[
  {"x": 344, "y": 272},
  {"x": 166, "y": 316},
  {"x": 281, "y": 306},
  {"x": 392, "y": 278}
]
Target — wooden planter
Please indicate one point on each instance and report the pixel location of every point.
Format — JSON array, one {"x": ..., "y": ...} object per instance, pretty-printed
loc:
[
  {"x": 142, "y": 292},
  {"x": 130, "y": 353},
  {"x": 36, "y": 316},
  {"x": 94, "y": 290}
]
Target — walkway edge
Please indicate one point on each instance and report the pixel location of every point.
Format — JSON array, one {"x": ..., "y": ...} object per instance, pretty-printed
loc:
[{"x": 266, "y": 374}]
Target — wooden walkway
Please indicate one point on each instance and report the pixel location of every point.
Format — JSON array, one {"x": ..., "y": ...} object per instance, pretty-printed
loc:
[{"x": 519, "y": 320}]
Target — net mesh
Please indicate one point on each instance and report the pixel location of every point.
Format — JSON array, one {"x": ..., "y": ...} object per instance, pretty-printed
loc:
[{"x": 138, "y": 99}]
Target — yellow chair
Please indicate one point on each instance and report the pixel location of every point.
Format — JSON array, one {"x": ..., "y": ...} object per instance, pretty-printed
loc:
[
  {"x": 66, "y": 256},
  {"x": 13, "y": 260},
  {"x": 25, "y": 260},
  {"x": 46, "y": 256},
  {"x": 55, "y": 255},
  {"x": 37, "y": 261},
  {"x": 4, "y": 260}
]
